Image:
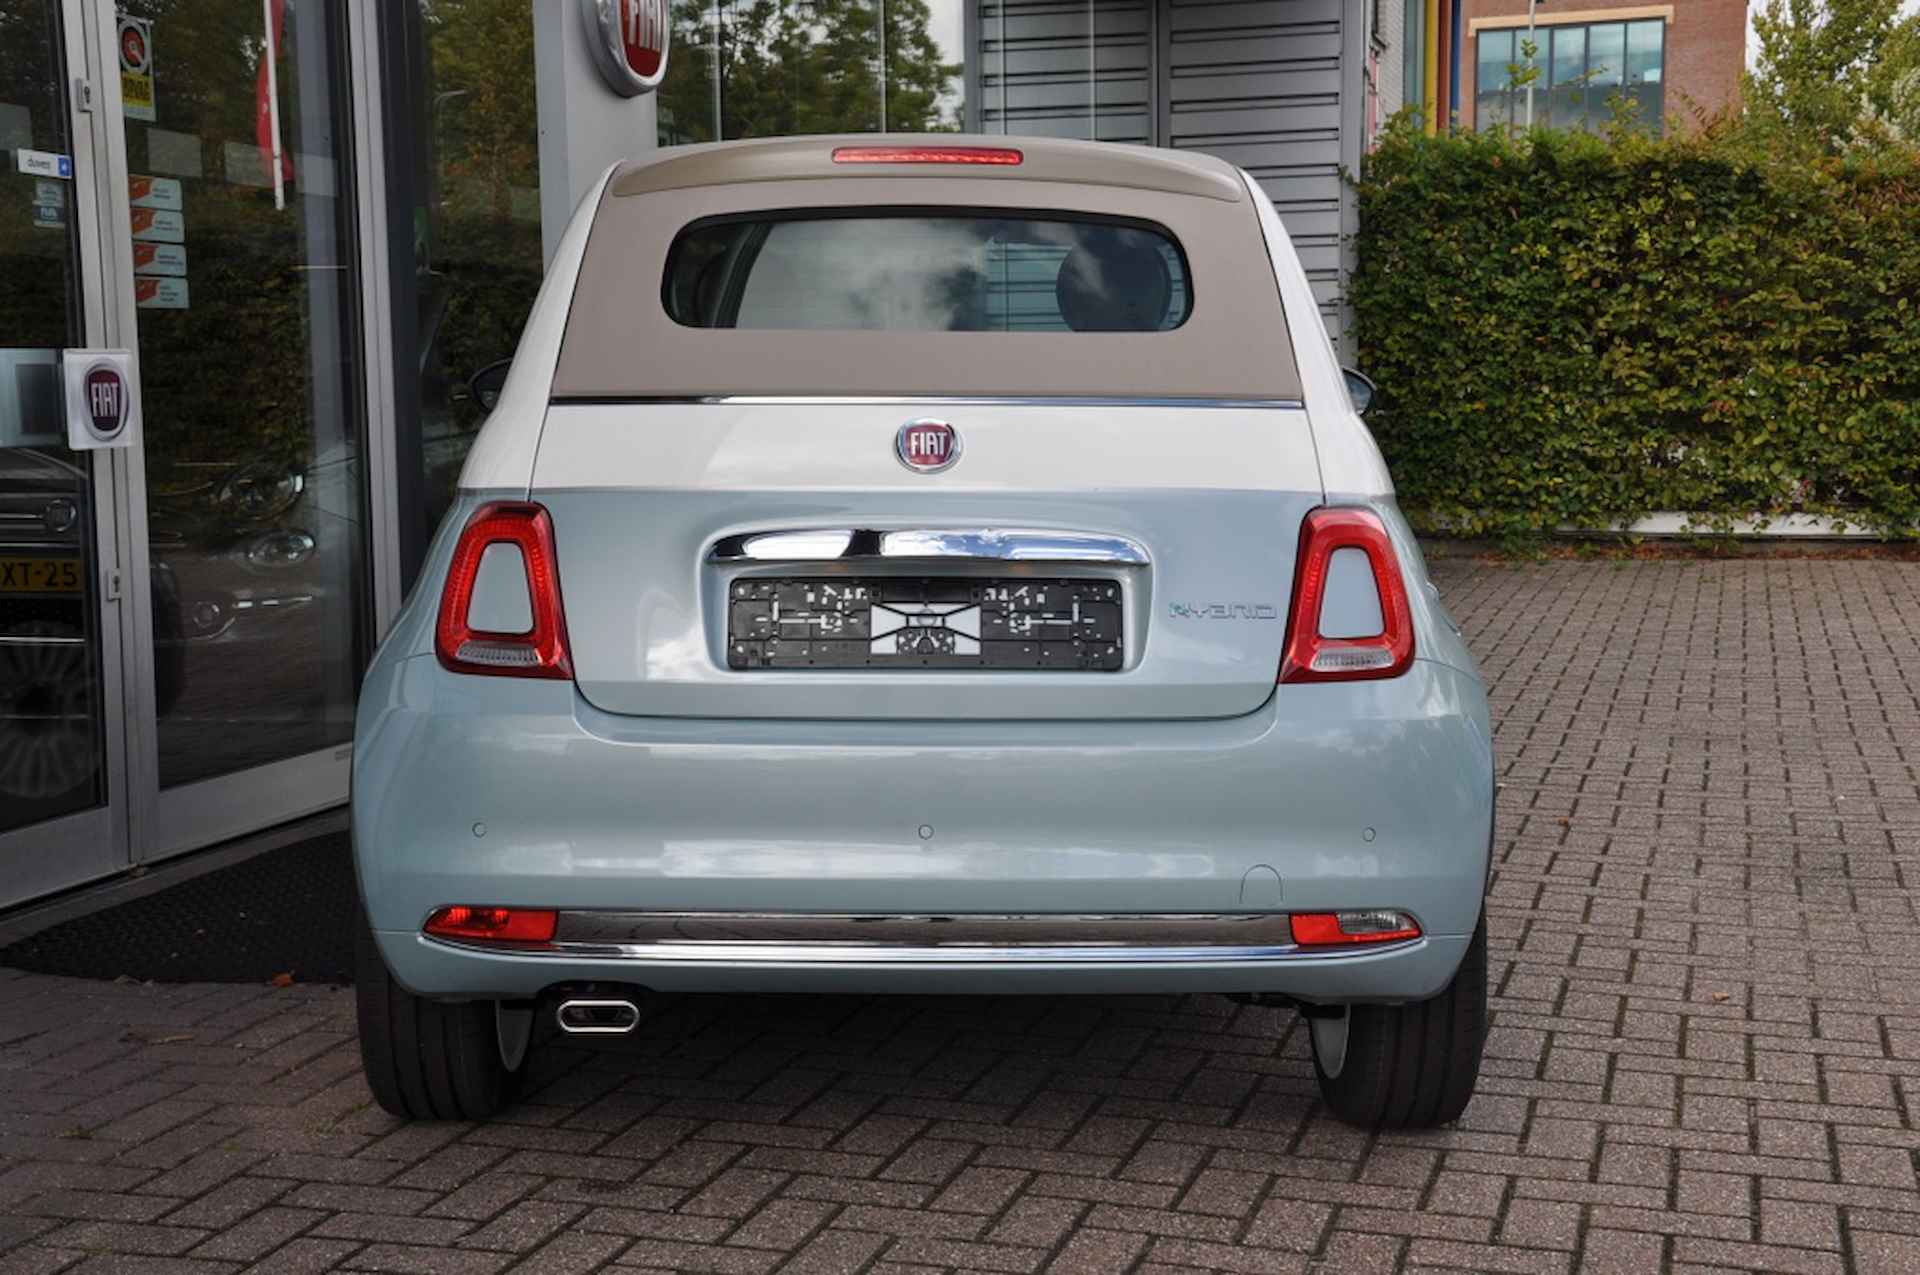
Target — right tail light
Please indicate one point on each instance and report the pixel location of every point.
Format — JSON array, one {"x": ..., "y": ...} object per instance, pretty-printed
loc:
[{"x": 1313, "y": 657}]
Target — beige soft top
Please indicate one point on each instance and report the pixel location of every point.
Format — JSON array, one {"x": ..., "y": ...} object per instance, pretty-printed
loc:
[
  {"x": 621, "y": 343},
  {"x": 1048, "y": 159}
]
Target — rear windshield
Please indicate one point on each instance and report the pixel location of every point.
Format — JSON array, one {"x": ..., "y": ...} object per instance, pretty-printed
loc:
[{"x": 927, "y": 272}]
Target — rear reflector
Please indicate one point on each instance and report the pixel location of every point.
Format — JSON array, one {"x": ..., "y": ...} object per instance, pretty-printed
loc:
[
  {"x": 497, "y": 925},
  {"x": 994, "y": 156},
  {"x": 1333, "y": 929},
  {"x": 1313, "y": 657},
  {"x": 540, "y": 651}
]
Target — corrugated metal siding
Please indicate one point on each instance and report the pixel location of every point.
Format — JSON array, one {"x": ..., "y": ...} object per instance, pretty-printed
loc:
[
  {"x": 1041, "y": 63},
  {"x": 1258, "y": 83}
]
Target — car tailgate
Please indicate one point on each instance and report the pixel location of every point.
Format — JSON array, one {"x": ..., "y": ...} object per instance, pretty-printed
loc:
[{"x": 1181, "y": 517}]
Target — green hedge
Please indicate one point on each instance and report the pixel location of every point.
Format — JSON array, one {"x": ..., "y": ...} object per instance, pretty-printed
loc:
[{"x": 1573, "y": 330}]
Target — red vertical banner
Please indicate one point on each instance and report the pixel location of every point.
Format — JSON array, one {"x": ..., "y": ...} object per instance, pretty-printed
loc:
[{"x": 263, "y": 113}]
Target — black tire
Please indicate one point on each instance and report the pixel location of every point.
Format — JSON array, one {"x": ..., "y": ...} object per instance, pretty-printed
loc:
[
  {"x": 1414, "y": 1066},
  {"x": 426, "y": 1060}
]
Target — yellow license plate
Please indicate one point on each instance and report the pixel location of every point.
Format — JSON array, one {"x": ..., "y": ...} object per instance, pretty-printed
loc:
[{"x": 39, "y": 575}]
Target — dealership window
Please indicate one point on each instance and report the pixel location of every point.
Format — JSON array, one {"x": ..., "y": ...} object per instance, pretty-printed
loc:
[
  {"x": 746, "y": 68},
  {"x": 463, "y": 185},
  {"x": 1584, "y": 69},
  {"x": 751, "y": 68}
]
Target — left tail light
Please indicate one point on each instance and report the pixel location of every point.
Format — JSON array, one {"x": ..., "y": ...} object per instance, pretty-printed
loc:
[
  {"x": 539, "y": 650},
  {"x": 498, "y": 925},
  {"x": 1312, "y": 656}
]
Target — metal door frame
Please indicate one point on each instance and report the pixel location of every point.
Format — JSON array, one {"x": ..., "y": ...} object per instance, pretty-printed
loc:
[
  {"x": 72, "y": 849},
  {"x": 192, "y": 816}
]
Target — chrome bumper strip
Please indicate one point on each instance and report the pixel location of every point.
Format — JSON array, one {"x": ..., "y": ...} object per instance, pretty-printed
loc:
[{"x": 736, "y": 938}]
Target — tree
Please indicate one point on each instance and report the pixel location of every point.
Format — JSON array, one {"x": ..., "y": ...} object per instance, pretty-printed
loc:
[
  {"x": 1833, "y": 71},
  {"x": 481, "y": 55},
  {"x": 772, "y": 67}
]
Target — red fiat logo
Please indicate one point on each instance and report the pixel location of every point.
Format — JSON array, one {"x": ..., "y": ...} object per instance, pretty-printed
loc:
[
  {"x": 106, "y": 401},
  {"x": 927, "y": 445},
  {"x": 643, "y": 32}
]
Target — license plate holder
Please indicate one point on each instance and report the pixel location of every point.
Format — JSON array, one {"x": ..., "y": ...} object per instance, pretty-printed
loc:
[
  {"x": 925, "y": 622},
  {"x": 39, "y": 575}
]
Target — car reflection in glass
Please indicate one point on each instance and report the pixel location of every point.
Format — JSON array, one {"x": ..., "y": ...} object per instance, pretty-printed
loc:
[
  {"x": 239, "y": 561},
  {"x": 50, "y": 739},
  {"x": 255, "y": 551}
]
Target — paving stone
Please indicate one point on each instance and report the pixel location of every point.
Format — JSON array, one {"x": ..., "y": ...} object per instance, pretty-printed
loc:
[
  {"x": 570, "y": 1254},
  {"x": 1879, "y": 1254},
  {"x": 1611, "y": 1252},
  {"x": 126, "y": 1237},
  {"x": 104, "y": 1206},
  {"x": 670, "y": 1255},
  {"x": 407, "y": 1259},
  {"x": 523, "y": 1227},
  {"x": 1704, "y": 1038},
  {"x": 385, "y": 1228},
  {"x": 1037, "y": 1222},
  {"x": 834, "y": 1253},
  {"x": 984, "y": 1257},
  {"x": 1541, "y": 1224},
  {"x": 34, "y": 1260},
  {"x": 259, "y": 1234}
]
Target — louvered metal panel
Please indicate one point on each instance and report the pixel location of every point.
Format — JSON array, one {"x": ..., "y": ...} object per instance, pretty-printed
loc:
[
  {"x": 1262, "y": 85},
  {"x": 1061, "y": 69}
]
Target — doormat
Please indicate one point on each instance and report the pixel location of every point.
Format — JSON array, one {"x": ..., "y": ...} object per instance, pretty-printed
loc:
[{"x": 286, "y": 915}]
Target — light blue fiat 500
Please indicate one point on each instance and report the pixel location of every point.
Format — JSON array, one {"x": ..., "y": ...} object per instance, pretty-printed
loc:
[{"x": 923, "y": 565}]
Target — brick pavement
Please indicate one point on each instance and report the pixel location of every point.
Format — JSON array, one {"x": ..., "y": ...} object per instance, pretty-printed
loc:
[{"x": 1705, "y": 1051}]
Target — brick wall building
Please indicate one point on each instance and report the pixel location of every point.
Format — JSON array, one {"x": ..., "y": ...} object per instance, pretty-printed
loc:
[{"x": 1679, "y": 61}]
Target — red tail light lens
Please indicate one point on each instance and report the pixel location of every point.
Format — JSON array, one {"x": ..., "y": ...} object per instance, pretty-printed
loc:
[
  {"x": 1310, "y": 657},
  {"x": 498, "y": 925},
  {"x": 993, "y": 156},
  {"x": 1335, "y": 929},
  {"x": 540, "y": 651}
]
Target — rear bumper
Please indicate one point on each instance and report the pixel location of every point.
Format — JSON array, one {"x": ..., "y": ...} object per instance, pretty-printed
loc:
[
  {"x": 1400, "y": 971},
  {"x": 506, "y": 792}
]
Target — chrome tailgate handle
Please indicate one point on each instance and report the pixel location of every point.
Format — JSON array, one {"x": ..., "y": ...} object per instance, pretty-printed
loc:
[
  {"x": 995, "y": 545},
  {"x": 973, "y": 544}
]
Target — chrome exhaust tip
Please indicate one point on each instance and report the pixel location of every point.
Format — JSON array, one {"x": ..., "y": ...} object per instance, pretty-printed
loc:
[{"x": 597, "y": 1018}]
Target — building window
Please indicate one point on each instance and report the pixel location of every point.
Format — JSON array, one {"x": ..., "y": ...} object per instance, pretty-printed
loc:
[
  {"x": 1583, "y": 71},
  {"x": 746, "y": 68}
]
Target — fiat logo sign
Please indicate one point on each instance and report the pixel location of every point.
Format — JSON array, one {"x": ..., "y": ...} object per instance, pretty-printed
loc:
[
  {"x": 629, "y": 40},
  {"x": 108, "y": 403},
  {"x": 927, "y": 446},
  {"x": 133, "y": 48}
]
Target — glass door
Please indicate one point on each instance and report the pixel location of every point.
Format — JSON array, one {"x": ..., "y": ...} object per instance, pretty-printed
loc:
[
  {"x": 231, "y": 125},
  {"x": 62, "y": 757},
  {"x": 184, "y": 622}
]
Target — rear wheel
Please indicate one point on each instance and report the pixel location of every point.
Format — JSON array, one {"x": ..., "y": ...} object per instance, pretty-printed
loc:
[
  {"x": 1406, "y": 1066},
  {"x": 426, "y": 1060}
]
